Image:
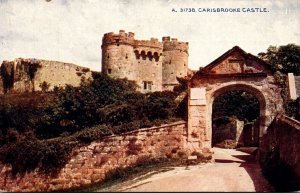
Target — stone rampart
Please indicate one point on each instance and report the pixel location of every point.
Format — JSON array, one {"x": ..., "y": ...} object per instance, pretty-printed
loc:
[
  {"x": 92, "y": 163},
  {"x": 28, "y": 75}
]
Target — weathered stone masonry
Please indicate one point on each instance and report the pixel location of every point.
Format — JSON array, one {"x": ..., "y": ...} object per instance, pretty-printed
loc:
[
  {"x": 234, "y": 70},
  {"x": 91, "y": 163},
  {"x": 26, "y": 75},
  {"x": 152, "y": 64}
]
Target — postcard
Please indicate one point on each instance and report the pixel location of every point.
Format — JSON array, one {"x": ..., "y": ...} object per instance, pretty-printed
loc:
[{"x": 157, "y": 95}]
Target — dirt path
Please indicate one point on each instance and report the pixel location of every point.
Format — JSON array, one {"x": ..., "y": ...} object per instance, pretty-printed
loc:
[{"x": 232, "y": 171}]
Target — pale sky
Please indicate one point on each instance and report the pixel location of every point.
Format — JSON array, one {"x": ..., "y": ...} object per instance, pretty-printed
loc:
[{"x": 72, "y": 30}]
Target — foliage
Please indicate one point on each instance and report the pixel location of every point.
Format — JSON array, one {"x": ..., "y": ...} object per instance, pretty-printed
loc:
[
  {"x": 293, "y": 109},
  {"x": 182, "y": 86},
  {"x": 93, "y": 133},
  {"x": 226, "y": 105},
  {"x": 44, "y": 86},
  {"x": 26, "y": 153},
  {"x": 283, "y": 59},
  {"x": 57, "y": 120},
  {"x": 6, "y": 74},
  {"x": 227, "y": 109}
]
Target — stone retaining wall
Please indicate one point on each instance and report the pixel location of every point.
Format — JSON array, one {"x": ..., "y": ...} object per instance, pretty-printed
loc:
[
  {"x": 90, "y": 164},
  {"x": 284, "y": 134}
]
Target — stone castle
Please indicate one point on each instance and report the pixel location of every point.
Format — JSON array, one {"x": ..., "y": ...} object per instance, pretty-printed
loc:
[{"x": 154, "y": 65}]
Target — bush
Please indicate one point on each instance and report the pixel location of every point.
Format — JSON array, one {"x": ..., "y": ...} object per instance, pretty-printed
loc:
[
  {"x": 94, "y": 133},
  {"x": 293, "y": 109},
  {"x": 28, "y": 154},
  {"x": 104, "y": 106}
]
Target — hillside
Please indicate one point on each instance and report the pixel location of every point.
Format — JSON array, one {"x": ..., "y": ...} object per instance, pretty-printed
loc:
[{"x": 39, "y": 129}]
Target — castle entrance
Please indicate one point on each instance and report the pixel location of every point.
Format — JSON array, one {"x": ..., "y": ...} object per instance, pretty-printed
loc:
[
  {"x": 235, "y": 119},
  {"x": 236, "y": 74}
]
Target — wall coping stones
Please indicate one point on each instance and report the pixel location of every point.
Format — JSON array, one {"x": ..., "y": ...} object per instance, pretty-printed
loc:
[
  {"x": 290, "y": 121},
  {"x": 148, "y": 129}
]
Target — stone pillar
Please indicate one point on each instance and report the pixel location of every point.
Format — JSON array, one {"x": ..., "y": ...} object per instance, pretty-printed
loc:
[
  {"x": 197, "y": 131},
  {"x": 239, "y": 130},
  {"x": 292, "y": 86}
]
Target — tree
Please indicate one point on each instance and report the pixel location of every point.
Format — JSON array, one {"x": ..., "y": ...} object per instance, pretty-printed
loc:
[
  {"x": 285, "y": 59},
  {"x": 44, "y": 86},
  {"x": 226, "y": 105}
]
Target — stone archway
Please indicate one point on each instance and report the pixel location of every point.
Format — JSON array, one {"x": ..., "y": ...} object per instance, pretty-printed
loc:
[
  {"x": 234, "y": 70},
  {"x": 220, "y": 90}
]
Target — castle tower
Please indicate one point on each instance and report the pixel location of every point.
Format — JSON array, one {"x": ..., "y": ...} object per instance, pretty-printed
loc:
[
  {"x": 175, "y": 62},
  {"x": 118, "y": 59},
  {"x": 152, "y": 64},
  {"x": 138, "y": 60},
  {"x": 149, "y": 64}
]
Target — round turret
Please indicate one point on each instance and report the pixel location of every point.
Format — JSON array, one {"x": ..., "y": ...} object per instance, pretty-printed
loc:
[
  {"x": 118, "y": 55},
  {"x": 175, "y": 61}
]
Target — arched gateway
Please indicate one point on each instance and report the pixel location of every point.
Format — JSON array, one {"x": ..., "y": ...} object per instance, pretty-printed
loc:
[{"x": 234, "y": 70}]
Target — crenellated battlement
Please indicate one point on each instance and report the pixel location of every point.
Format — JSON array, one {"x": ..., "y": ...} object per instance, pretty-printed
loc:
[
  {"x": 153, "y": 64},
  {"x": 152, "y": 43},
  {"x": 170, "y": 44},
  {"x": 121, "y": 38}
]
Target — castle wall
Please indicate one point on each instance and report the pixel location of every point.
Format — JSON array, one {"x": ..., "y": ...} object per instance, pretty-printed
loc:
[
  {"x": 93, "y": 163},
  {"x": 27, "y": 75},
  {"x": 149, "y": 67},
  {"x": 60, "y": 74}
]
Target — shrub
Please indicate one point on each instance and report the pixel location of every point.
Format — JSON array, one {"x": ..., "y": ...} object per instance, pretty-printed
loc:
[
  {"x": 75, "y": 115},
  {"x": 28, "y": 154},
  {"x": 94, "y": 133},
  {"x": 293, "y": 108},
  {"x": 85, "y": 70},
  {"x": 44, "y": 86}
]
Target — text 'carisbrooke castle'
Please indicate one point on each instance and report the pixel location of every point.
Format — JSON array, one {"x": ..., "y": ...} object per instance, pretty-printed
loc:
[{"x": 152, "y": 64}]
